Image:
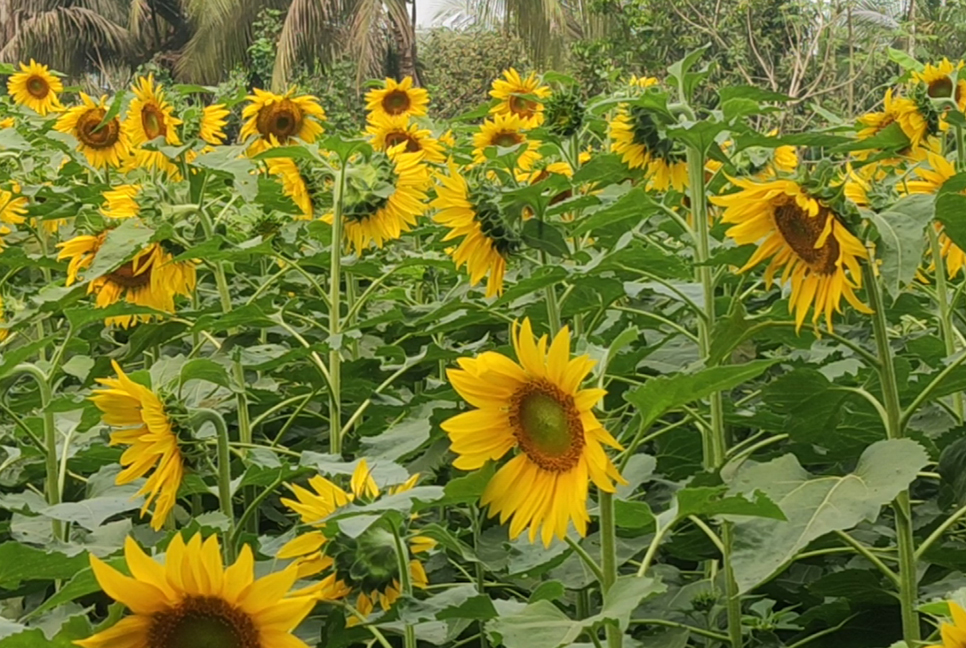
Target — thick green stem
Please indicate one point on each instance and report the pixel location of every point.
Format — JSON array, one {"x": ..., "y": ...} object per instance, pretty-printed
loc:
[
  {"x": 335, "y": 323},
  {"x": 608, "y": 559},
  {"x": 52, "y": 483},
  {"x": 200, "y": 416},
  {"x": 553, "y": 306},
  {"x": 945, "y": 314},
  {"x": 960, "y": 148},
  {"x": 715, "y": 442},
  {"x": 405, "y": 585},
  {"x": 908, "y": 578}
]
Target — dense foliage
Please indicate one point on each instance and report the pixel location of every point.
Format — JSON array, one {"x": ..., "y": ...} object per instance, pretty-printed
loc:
[{"x": 569, "y": 371}]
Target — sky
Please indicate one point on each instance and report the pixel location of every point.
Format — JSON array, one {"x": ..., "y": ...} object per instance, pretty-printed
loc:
[{"x": 425, "y": 10}]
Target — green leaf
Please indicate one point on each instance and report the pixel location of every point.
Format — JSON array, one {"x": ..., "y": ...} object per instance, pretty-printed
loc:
[
  {"x": 83, "y": 583},
  {"x": 547, "y": 591},
  {"x": 544, "y": 236},
  {"x": 112, "y": 111},
  {"x": 950, "y": 207},
  {"x": 815, "y": 506},
  {"x": 11, "y": 140},
  {"x": 78, "y": 366},
  {"x": 73, "y": 629},
  {"x": 905, "y": 61},
  {"x": 92, "y": 512},
  {"x": 714, "y": 500},
  {"x": 658, "y": 395},
  {"x": 205, "y": 369},
  {"x": 902, "y": 239},
  {"x": 121, "y": 244},
  {"x": 632, "y": 515},
  {"x": 83, "y": 316},
  {"x": 634, "y": 204},
  {"x": 952, "y": 469},
  {"x": 469, "y": 488},
  {"x": 680, "y": 74},
  {"x": 19, "y": 563}
]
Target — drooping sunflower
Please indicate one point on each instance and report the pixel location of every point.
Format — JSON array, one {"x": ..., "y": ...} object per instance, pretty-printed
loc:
[
  {"x": 293, "y": 184},
  {"x": 938, "y": 80},
  {"x": 274, "y": 119},
  {"x": 148, "y": 118},
  {"x": 121, "y": 201},
  {"x": 487, "y": 241},
  {"x": 194, "y": 601},
  {"x": 386, "y": 132},
  {"x": 953, "y": 634},
  {"x": 214, "y": 118},
  {"x": 804, "y": 236},
  {"x": 35, "y": 87},
  {"x": 636, "y": 137},
  {"x": 152, "y": 278},
  {"x": 929, "y": 182},
  {"x": 365, "y": 566},
  {"x": 152, "y": 438},
  {"x": 384, "y": 200},
  {"x": 505, "y": 131},
  {"x": 902, "y": 110},
  {"x": 102, "y": 145},
  {"x": 516, "y": 97},
  {"x": 536, "y": 406},
  {"x": 397, "y": 98}
]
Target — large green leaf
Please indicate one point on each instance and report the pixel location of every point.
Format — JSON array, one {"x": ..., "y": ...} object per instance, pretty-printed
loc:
[
  {"x": 902, "y": 239},
  {"x": 19, "y": 563},
  {"x": 815, "y": 505},
  {"x": 659, "y": 395}
]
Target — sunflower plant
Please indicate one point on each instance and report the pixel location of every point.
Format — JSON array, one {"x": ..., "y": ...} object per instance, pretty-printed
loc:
[{"x": 628, "y": 369}]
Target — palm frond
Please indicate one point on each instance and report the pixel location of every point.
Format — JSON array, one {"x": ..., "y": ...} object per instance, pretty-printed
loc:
[{"x": 311, "y": 30}]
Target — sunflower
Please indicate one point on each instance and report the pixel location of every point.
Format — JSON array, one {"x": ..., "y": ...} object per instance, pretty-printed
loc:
[
  {"x": 901, "y": 110},
  {"x": 384, "y": 199},
  {"x": 214, "y": 118},
  {"x": 642, "y": 82},
  {"x": 152, "y": 278},
  {"x": 121, "y": 202},
  {"x": 938, "y": 80},
  {"x": 278, "y": 119},
  {"x": 148, "y": 118},
  {"x": 151, "y": 436},
  {"x": 505, "y": 131},
  {"x": 636, "y": 137},
  {"x": 953, "y": 634},
  {"x": 395, "y": 99},
  {"x": 365, "y": 565},
  {"x": 13, "y": 208},
  {"x": 194, "y": 601},
  {"x": 536, "y": 406},
  {"x": 515, "y": 95},
  {"x": 792, "y": 228},
  {"x": 7, "y": 122},
  {"x": 386, "y": 132},
  {"x": 293, "y": 184},
  {"x": 487, "y": 241},
  {"x": 35, "y": 87},
  {"x": 930, "y": 181},
  {"x": 102, "y": 145}
]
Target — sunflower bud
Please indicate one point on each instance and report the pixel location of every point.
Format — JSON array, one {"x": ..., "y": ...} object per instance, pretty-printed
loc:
[{"x": 564, "y": 113}]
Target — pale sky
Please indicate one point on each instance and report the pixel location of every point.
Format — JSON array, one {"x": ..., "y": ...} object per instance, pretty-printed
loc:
[{"x": 425, "y": 10}]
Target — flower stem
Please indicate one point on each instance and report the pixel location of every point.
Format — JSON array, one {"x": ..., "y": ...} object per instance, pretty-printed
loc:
[
  {"x": 945, "y": 314},
  {"x": 908, "y": 579},
  {"x": 715, "y": 443},
  {"x": 200, "y": 416},
  {"x": 335, "y": 323},
  {"x": 51, "y": 485},
  {"x": 608, "y": 559},
  {"x": 553, "y": 306},
  {"x": 405, "y": 584}
]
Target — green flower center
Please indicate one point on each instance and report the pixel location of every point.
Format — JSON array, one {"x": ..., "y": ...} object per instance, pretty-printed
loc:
[
  {"x": 940, "y": 88},
  {"x": 547, "y": 425},
  {"x": 506, "y": 139},
  {"x": 152, "y": 120},
  {"x": 203, "y": 622}
]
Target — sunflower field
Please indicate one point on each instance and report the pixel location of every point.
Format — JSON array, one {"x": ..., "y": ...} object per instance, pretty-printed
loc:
[{"x": 630, "y": 370}]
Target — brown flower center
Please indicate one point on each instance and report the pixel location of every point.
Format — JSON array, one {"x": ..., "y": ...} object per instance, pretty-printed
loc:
[
  {"x": 127, "y": 278},
  {"x": 396, "y": 102},
  {"x": 153, "y": 122},
  {"x": 525, "y": 108},
  {"x": 940, "y": 88},
  {"x": 546, "y": 425},
  {"x": 90, "y": 132},
  {"x": 282, "y": 119},
  {"x": 37, "y": 87},
  {"x": 203, "y": 622},
  {"x": 398, "y": 137},
  {"x": 801, "y": 231},
  {"x": 506, "y": 139}
]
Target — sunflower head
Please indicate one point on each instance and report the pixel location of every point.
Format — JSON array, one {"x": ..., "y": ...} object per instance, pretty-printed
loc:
[
  {"x": 193, "y": 601},
  {"x": 520, "y": 96},
  {"x": 35, "y": 87},
  {"x": 211, "y": 128},
  {"x": 102, "y": 141},
  {"x": 150, "y": 115},
  {"x": 564, "y": 114},
  {"x": 396, "y": 99},
  {"x": 505, "y": 131},
  {"x": 386, "y": 132},
  {"x": 942, "y": 81},
  {"x": 273, "y": 119}
]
